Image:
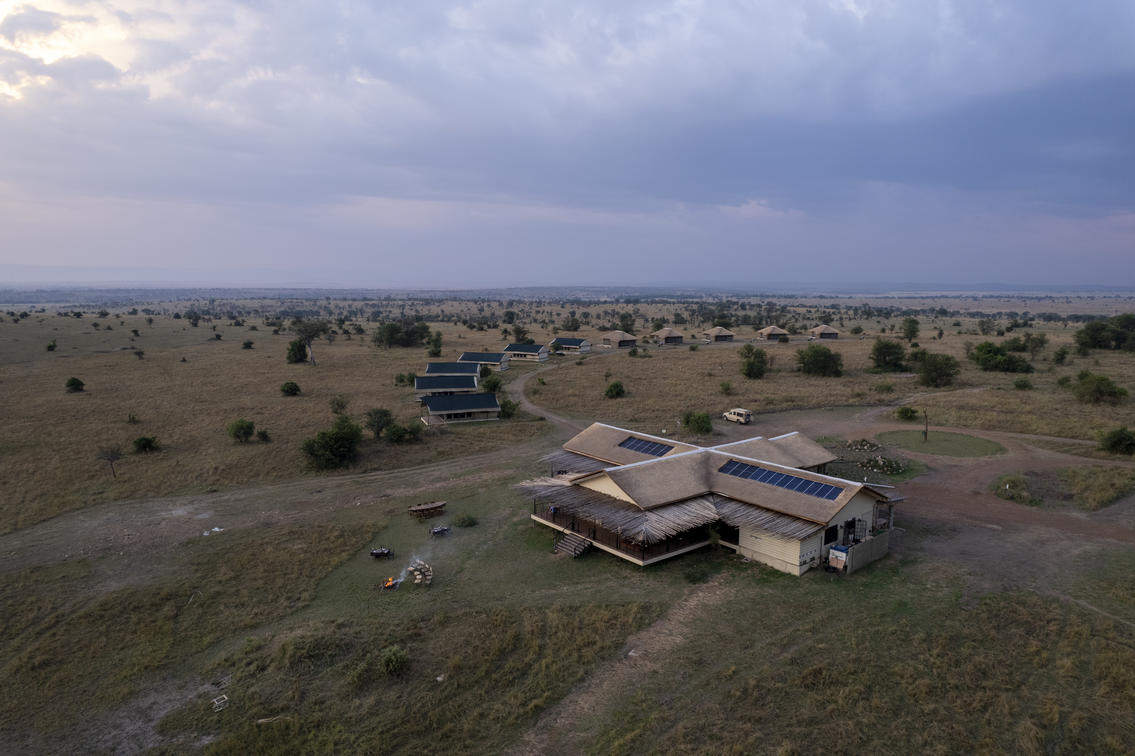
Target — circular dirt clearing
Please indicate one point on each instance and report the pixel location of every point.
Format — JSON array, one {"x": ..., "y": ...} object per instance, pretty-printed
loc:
[{"x": 942, "y": 443}]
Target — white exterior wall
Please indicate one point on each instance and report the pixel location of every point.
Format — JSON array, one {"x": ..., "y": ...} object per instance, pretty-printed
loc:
[{"x": 766, "y": 548}]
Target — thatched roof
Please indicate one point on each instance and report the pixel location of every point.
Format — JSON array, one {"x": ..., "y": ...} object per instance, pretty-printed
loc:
[
  {"x": 616, "y": 336},
  {"x": 823, "y": 328},
  {"x": 663, "y": 522},
  {"x": 772, "y": 331},
  {"x": 572, "y": 462},
  {"x": 666, "y": 333},
  {"x": 601, "y": 441},
  {"x": 791, "y": 450},
  {"x": 716, "y": 331}
]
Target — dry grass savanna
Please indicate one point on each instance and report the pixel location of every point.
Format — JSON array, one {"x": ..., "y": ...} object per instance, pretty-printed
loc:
[{"x": 961, "y": 641}]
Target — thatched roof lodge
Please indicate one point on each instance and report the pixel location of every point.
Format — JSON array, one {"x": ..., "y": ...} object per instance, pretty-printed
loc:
[
  {"x": 824, "y": 331},
  {"x": 717, "y": 333},
  {"x": 661, "y": 498},
  {"x": 771, "y": 333},
  {"x": 666, "y": 335},
  {"x": 619, "y": 339}
]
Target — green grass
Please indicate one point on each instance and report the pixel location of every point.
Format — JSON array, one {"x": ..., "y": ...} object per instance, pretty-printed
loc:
[
  {"x": 830, "y": 661},
  {"x": 1015, "y": 487},
  {"x": 1097, "y": 486},
  {"x": 941, "y": 443}
]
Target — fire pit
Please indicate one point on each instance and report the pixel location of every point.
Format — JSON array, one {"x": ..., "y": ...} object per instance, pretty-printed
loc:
[
  {"x": 390, "y": 584},
  {"x": 381, "y": 553}
]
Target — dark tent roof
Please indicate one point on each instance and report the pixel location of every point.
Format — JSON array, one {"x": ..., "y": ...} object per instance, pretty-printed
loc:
[
  {"x": 444, "y": 382},
  {"x": 524, "y": 348},
  {"x": 462, "y": 403},
  {"x": 564, "y": 341},
  {"x": 441, "y": 368},
  {"x": 481, "y": 356}
]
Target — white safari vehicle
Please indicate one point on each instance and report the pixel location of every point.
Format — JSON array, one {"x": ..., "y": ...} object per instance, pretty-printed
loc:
[{"x": 738, "y": 415}]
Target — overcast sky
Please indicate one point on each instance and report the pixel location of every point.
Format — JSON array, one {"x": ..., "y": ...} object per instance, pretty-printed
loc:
[{"x": 512, "y": 142}]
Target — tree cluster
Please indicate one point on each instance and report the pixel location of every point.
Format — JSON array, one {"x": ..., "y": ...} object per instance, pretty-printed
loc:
[
  {"x": 1116, "y": 332},
  {"x": 993, "y": 357},
  {"x": 401, "y": 333}
]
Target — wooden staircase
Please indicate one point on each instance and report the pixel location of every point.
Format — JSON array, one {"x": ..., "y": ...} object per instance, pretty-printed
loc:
[{"x": 573, "y": 544}]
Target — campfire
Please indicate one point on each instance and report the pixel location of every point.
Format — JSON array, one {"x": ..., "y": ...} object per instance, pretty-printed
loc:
[{"x": 391, "y": 584}]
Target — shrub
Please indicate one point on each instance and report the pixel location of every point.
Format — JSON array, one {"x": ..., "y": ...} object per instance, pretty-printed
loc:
[
  {"x": 884, "y": 465},
  {"x": 289, "y": 388},
  {"x": 508, "y": 408},
  {"x": 484, "y": 372},
  {"x": 378, "y": 420},
  {"x": 492, "y": 384},
  {"x": 815, "y": 359},
  {"x": 297, "y": 351},
  {"x": 991, "y": 357},
  {"x": 262, "y": 436},
  {"x": 693, "y": 347},
  {"x": 402, "y": 434},
  {"x": 1022, "y": 384},
  {"x": 394, "y": 661},
  {"x": 615, "y": 390},
  {"x": 146, "y": 444},
  {"x": 74, "y": 385},
  {"x": 888, "y": 355},
  {"x": 726, "y": 388},
  {"x": 465, "y": 521},
  {"x": 755, "y": 364},
  {"x": 1118, "y": 441},
  {"x": 334, "y": 448},
  {"x": 1097, "y": 389},
  {"x": 1015, "y": 488},
  {"x": 1060, "y": 356},
  {"x": 338, "y": 404},
  {"x": 247, "y": 344},
  {"x": 697, "y": 422},
  {"x": 633, "y": 352},
  {"x": 241, "y": 430},
  {"x": 938, "y": 370},
  {"x": 140, "y": 354},
  {"x": 906, "y": 413}
]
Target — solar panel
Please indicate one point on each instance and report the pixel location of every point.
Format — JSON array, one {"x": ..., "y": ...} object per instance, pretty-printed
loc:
[
  {"x": 770, "y": 477},
  {"x": 643, "y": 446}
]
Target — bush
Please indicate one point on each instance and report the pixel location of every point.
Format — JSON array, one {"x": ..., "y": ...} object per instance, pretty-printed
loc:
[
  {"x": 937, "y": 370},
  {"x": 820, "y": 361},
  {"x": 906, "y": 413},
  {"x": 140, "y": 354},
  {"x": 615, "y": 390},
  {"x": 290, "y": 388},
  {"x": 1015, "y": 488},
  {"x": 377, "y": 420},
  {"x": 262, "y": 436},
  {"x": 888, "y": 355},
  {"x": 991, "y": 357},
  {"x": 465, "y": 521},
  {"x": 1060, "y": 356},
  {"x": 492, "y": 384},
  {"x": 241, "y": 430},
  {"x": 1118, "y": 441},
  {"x": 402, "y": 434},
  {"x": 633, "y": 352},
  {"x": 394, "y": 661},
  {"x": 508, "y": 408},
  {"x": 1098, "y": 389},
  {"x": 1022, "y": 384},
  {"x": 754, "y": 363},
  {"x": 338, "y": 404},
  {"x": 74, "y": 385},
  {"x": 146, "y": 444},
  {"x": 726, "y": 388},
  {"x": 693, "y": 347},
  {"x": 247, "y": 344},
  {"x": 297, "y": 351},
  {"x": 697, "y": 422},
  {"x": 331, "y": 449}
]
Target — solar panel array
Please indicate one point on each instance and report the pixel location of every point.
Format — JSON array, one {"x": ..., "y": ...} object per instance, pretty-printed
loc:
[
  {"x": 643, "y": 446},
  {"x": 782, "y": 480}
]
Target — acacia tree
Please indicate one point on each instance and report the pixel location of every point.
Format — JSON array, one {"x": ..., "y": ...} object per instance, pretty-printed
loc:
[
  {"x": 308, "y": 331},
  {"x": 819, "y": 360},
  {"x": 888, "y": 355},
  {"x": 110, "y": 455},
  {"x": 910, "y": 329}
]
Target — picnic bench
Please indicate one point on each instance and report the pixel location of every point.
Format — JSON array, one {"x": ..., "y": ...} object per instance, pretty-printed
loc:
[{"x": 430, "y": 509}]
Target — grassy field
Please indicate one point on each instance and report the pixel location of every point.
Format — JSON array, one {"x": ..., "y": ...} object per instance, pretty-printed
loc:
[
  {"x": 942, "y": 442},
  {"x": 119, "y": 649}
]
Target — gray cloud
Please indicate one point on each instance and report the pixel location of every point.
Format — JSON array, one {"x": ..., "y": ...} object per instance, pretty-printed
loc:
[{"x": 636, "y": 128}]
